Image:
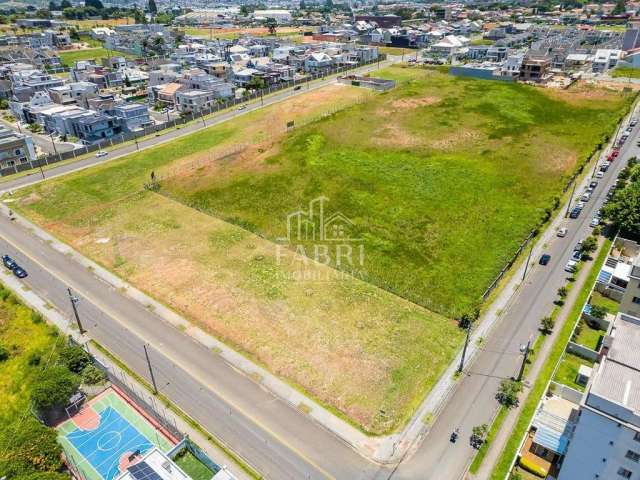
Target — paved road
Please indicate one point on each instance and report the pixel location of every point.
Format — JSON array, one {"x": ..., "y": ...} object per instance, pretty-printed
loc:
[
  {"x": 474, "y": 402},
  {"x": 42, "y": 141},
  {"x": 196, "y": 379},
  {"x": 168, "y": 135}
]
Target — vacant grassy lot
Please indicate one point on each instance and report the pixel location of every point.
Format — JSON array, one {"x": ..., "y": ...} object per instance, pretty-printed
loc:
[
  {"x": 442, "y": 178},
  {"x": 233, "y": 33},
  {"x": 70, "y": 57},
  {"x": 626, "y": 72}
]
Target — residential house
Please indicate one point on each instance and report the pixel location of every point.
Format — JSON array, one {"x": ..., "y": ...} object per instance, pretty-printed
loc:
[
  {"x": 534, "y": 69},
  {"x": 15, "y": 148},
  {"x": 74, "y": 92},
  {"x": 131, "y": 116},
  {"x": 605, "y": 59}
]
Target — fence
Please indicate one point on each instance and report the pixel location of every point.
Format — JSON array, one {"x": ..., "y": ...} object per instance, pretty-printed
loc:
[{"x": 52, "y": 158}]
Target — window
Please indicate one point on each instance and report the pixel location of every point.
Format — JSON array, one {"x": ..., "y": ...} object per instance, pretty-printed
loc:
[
  {"x": 636, "y": 437},
  {"x": 636, "y": 300},
  {"x": 631, "y": 455},
  {"x": 624, "y": 473}
]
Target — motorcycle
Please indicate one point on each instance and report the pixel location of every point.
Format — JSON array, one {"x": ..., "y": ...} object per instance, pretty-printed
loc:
[{"x": 454, "y": 436}]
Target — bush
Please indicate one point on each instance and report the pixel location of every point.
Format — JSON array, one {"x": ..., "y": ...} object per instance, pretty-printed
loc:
[
  {"x": 4, "y": 353},
  {"x": 547, "y": 324},
  {"x": 74, "y": 357},
  {"x": 92, "y": 375},
  {"x": 508, "y": 393},
  {"x": 54, "y": 388},
  {"x": 28, "y": 447},
  {"x": 598, "y": 311}
]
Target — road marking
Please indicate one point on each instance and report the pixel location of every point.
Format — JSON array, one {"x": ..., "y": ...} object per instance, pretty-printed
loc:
[{"x": 105, "y": 309}]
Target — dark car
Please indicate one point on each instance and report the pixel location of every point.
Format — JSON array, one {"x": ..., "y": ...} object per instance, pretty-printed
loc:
[
  {"x": 593, "y": 184},
  {"x": 19, "y": 272},
  {"x": 544, "y": 259},
  {"x": 575, "y": 213},
  {"x": 576, "y": 255},
  {"x": 9, "y": 262}
]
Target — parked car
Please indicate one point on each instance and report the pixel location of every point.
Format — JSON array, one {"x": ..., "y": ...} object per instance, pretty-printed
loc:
[
  {"x": 611, "y": 191},
  {"x": 629, "y": 129},
  {"x": 578, "y": 245},
  {"x": 9, "y": 262},
  {"x": 599, "y": 174},
  {"x": 638, "y": 143},
  {"x": 576, "y": 255},
  {"x": 297, "y": 87},
  {"x": 571, "y": 266},
  {"x": 615, "y": 152},
  {"x": 19, "y": 272},
  {"x": 604, "y": 167},
  {"x": 563, "y": 232},
  {"x": 575, "y": 213},
  {"x": 101, "y": 153},
  {"x": 634, "y": 122},
  {"x": 580, "y": 205},
  {"x": 593, "y": 184},
  {"x": 585, "y": 197},
  {"x": 544, "y": 259},
  {"x": 595, "y": 221},
  {"x": 241, "y": 107}
]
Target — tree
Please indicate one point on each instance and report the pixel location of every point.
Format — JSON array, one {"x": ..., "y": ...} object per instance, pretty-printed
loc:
[
  {"x": 55, "y": 388},
  {"x": 589, "y": 245},
  {"x": 74, "y": 357},
  {"x": 467, "y": 319},
  {"x": 478, "y": 434},
  {"x": 153, "y": 8},
  {"x": 97, "y": 4},
  {"x": 92, "y": 375},
  {"x": 620, "y": 7},
  {"x": 34, "y": 127},
  {"x": 547, "y": 324},
  {"x": 272, "y": 25},
  {"x": 65, "y": 4},
  {"x": 303, "y": 5},
  {"x": 624, "y": 209},
  {"x": 598, "y": 311},
  {"x": 562, "y": 292},
  {"x": 508, "y": 393},
  {"x": 127, "y": 81}
]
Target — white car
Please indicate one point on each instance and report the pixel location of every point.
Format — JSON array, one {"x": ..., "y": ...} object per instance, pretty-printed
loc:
[
  {"x": 599, "y": 174},
  {"x": 101, "y": 153},
  {"x": 571, "y": 266},
  {"x": 595, "y": 221},
  {"x": 563, "y": 232}
]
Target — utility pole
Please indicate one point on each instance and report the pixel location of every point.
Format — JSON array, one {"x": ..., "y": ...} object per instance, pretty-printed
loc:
[
  {"x": 571, "y": 198},
  {"x": 525, "y": 349},
  {"x": 53, "y": 143},
  {"x": 153, "y": 379},
  {"x": 74, "y": 301},
  {"x": 464, "y": 349},
  {"x": 526, "y": 265}
]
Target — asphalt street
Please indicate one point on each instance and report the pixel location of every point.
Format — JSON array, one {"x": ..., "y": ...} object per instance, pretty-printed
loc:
[
  {"x": 474, "y": 401},
  {"x": 168, "y": 135}
]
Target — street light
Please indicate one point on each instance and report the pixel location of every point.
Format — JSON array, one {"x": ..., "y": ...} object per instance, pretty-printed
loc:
[
  {"x": 524, "y": 350},
  {"x": 74, "y": 300},
  {"x": 53, "y": 143}
]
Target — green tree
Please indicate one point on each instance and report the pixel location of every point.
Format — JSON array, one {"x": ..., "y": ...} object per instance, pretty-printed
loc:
[
  {"x": 589, "y": 245},
  {"x": 620, "y": 7},
  {"x": 547, "y": 324},
  {"x": 624, "y": 209},
  {"x": 97, "y": 4},
  {"x": 599, "y": 311},
  {"x": 508, "y": 393},
  {"x": 272, "y": 25},
  {"x": 74, "y": 357},
  {"x": 55, "y": 388},
  {"x": 153, "y": 8}
]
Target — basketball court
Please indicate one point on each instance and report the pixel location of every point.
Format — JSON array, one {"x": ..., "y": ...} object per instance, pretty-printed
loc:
[{"x": 101, "y": 440}]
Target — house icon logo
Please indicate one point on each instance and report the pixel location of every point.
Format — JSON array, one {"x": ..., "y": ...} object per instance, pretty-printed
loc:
[{"x": 314, "y": 225}]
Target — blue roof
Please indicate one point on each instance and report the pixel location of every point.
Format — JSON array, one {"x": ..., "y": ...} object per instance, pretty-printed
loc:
[
  {"x": 604, "y": 276},
  {"x": 551, "y": 439}
]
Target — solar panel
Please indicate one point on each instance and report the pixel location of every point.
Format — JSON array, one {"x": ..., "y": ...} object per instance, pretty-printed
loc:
[{"x": 142, "y": 471}]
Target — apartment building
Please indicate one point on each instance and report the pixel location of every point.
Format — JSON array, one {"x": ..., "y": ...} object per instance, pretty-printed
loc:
[
  {"x": 606, "y": 440},
  {"x": 15, "y": 148},
  {"x": 630, "y": 302}
]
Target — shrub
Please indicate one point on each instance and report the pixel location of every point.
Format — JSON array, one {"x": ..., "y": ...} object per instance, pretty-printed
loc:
[
  {"x": 547, "y": 324},
  {"x": 92, "y": 375},
  {"x": 54, "y": 388},
  {"x": 4, "y": 353},
  {"x": 508, "y": 393},
  {"x": 598, "y": 311},
  {"x": 74, "y": 357}
]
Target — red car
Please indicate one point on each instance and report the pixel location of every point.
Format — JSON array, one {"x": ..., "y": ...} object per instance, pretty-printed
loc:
[{"x": 615, "y": 152}]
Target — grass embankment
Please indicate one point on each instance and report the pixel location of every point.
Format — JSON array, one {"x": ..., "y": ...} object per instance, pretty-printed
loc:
[
  {"x": 420, "y": 191},
  {"x": 539, "y": 387},
  {"x": 625, "y": 72},
  {"x": 27, "y": 346}
]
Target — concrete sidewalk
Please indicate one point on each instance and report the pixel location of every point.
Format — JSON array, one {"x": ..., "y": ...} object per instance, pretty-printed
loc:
[{"x": 66, "y": 326}]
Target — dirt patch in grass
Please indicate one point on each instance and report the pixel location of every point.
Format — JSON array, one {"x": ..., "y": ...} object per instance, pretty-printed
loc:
[
  {"x": 450, "y": 142},
  {"x": 410, "y": 103}
]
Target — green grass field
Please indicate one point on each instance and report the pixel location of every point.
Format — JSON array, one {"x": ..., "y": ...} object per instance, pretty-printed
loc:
[
  {"x": 441, "y": 177},
  {"x": 193, "y": 467},
  {"x": 70, "y": 57},
  {"x": 625, "y": 72},
  {"x": 589, "y": 337},
  {"x": 611, "y": 305},
  {"x": 428, "y": 172}
]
